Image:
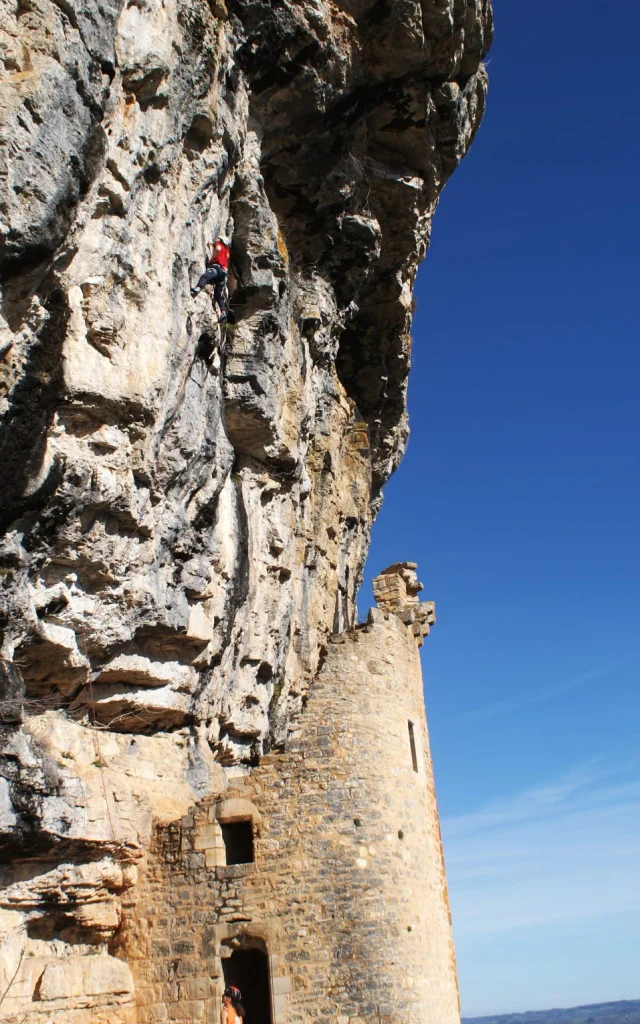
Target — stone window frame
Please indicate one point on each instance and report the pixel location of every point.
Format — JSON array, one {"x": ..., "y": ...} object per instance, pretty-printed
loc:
[{"x": 209, "y": 836}]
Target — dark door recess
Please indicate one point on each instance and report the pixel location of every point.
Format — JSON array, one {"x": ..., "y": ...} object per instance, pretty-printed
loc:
[{"x": 248, "y": 970}]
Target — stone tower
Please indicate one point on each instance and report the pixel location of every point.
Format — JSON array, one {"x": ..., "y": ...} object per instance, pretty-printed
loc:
[{"x": 341, "y": 887}]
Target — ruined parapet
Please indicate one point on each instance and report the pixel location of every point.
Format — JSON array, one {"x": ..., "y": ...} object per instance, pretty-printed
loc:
[{"x": 396, "y": 591}]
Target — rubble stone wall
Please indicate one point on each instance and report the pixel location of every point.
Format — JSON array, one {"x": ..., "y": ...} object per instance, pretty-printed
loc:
[{"x": 347, "y": 894}]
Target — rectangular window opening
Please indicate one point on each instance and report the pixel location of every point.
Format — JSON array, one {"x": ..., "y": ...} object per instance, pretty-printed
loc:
[
  {"x": 412, "y": 744},
  {"x": 238, "y": 841}
]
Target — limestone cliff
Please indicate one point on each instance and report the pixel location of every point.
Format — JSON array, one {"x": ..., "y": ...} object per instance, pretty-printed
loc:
[{"x": 185, "y": 509}]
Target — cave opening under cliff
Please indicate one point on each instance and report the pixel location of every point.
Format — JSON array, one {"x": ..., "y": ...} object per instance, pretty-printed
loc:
[{"x": 248, "y": 970}]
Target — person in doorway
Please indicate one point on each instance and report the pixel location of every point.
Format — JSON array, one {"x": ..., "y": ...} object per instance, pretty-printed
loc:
[
  {"x": 232, "y": 1009},
  {"x": 216, "y": 273}
]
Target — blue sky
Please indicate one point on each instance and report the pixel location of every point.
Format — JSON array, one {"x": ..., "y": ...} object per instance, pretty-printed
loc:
[{"x": 520, "y": 500}]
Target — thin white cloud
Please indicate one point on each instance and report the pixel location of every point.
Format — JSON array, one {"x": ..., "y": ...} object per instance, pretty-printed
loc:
[
  {"x": 557, "y": 852},
  {"x": 531, "y": 697},
  {"x": 586, "y": 786}
]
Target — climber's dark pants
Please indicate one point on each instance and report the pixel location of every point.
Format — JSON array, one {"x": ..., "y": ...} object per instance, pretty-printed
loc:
[{"x": 219, "y": 277}]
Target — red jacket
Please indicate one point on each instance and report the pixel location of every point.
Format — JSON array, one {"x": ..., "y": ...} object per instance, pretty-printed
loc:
[{"x": 220, "y": 256}]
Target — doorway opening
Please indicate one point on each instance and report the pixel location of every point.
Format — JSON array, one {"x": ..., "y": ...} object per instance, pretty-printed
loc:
[{"x": 248, "y": 970}]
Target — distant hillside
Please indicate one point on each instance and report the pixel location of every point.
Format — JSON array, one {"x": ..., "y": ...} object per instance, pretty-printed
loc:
[{"x": 600, "y": 1013}]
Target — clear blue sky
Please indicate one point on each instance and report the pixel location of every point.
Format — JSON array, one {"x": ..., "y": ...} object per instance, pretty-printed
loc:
[{"x": 520, "y": 500}]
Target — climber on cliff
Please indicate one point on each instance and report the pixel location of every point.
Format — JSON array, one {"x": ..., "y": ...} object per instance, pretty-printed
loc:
[{"x": 216, "y": 273}]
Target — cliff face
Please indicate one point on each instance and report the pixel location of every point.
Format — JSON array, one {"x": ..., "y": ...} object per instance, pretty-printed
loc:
[{"x": 186, "y": 509}]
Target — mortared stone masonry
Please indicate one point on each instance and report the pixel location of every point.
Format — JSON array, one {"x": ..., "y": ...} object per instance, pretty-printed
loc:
[{"x": 347, "y": 894}]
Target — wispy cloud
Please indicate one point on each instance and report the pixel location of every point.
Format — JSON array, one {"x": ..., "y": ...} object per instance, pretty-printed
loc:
[
  {"x": 565, "y": 849},
  {"x": 538, "y": 696}
]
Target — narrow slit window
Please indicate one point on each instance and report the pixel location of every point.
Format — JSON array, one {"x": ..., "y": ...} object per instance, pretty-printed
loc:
[
  {"x": 412, "y": 744},
  {"x": 238, "y": 841}
]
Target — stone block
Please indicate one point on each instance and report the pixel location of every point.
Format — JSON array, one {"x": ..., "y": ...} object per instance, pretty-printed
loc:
[
  {"x": 208, "y": 837},
  {"x": 155, "y": 1014},
  {"x": 212, "y": 857},
  {"x": 106, "y": 975},
  {"x": 190, "y": 1010},
  {"x": 281, "y": 986},
  {"x": 187, "y": 968},
  {"x": 279, "y": 1008},
  {"x": 85, "y": 976},
  {"x": 196, "y": 988},
  {"x": 234, "y": 871},
  {"x": 183, "y": 947},
  {"x": 236, "y": 809}
]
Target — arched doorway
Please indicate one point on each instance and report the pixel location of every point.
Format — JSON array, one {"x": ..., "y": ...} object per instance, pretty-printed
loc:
[{"x": 248, "y": 970}]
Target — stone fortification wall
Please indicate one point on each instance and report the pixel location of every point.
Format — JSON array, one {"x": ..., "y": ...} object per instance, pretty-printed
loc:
[{"x": 347, "y": 894}]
